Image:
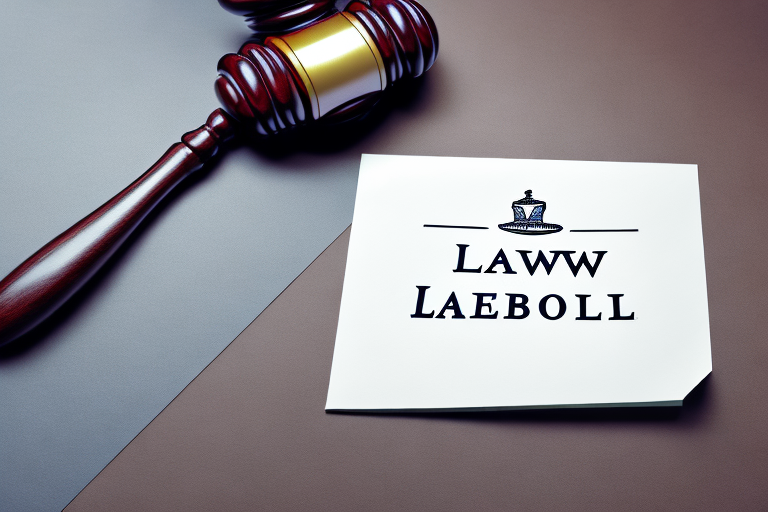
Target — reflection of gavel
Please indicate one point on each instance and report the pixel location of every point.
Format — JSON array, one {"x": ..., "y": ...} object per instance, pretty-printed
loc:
[{"x": 334, "y": 69}]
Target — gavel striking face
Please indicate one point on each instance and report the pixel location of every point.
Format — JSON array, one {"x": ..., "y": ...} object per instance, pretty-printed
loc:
[
  {"x": 270, "y": 17},
  {"x": 334, "y": 67}
]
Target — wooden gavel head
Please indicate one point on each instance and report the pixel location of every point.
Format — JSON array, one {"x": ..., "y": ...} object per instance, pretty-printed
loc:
[{"x": 334, "y": 69}]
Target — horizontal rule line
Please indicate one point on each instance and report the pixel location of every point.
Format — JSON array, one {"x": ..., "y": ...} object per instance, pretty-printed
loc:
[
  {"x": 604, "y": 230},
  {"x": 453, "y": 227}
]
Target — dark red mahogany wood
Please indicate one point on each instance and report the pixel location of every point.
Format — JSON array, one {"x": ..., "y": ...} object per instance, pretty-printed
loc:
[
  {"x": 259, "y": 86},
  {"x": 276, "y": 16},
  {"x": 261, "y": 89},
  {"x": 404, "y": 33},
  {"x": 41, "y": 284}
]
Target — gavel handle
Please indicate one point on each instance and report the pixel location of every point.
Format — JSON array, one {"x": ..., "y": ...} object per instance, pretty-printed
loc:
[{"x": 48, "y": 278}]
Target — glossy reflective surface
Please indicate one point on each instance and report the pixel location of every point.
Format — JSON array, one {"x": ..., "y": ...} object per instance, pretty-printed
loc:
[
  {"x": 337, "y": 66},
  {"x": 40, "y": 285},
  {"x": 348, "y": 82},
  {"x": 271, "y": 16}
]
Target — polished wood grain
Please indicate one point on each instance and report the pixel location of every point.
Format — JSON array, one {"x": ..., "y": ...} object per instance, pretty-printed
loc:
[
  {"x": 404, "y": 33},
  {"x": 259, "y": 86},
  {"x": 261, "y": 94},
  {"x": 267, "y": 17},
  {"x": 40, "y": 285}
]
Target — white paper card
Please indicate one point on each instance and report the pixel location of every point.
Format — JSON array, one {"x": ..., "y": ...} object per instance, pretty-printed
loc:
[{"x": 445, "y": 306}]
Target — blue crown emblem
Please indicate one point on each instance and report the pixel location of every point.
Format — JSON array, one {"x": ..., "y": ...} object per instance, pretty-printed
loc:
[{"x": 529, "y": 217}]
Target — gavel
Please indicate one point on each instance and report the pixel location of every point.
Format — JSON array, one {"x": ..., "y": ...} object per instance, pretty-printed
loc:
[{"x": 313, "y": 64}]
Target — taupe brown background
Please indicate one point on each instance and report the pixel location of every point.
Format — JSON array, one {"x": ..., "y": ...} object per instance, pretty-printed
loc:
[{"x": 652, "y": 81}]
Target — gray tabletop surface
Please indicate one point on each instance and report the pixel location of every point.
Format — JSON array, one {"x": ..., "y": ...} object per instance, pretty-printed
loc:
[{"x": 91, "y": 94}]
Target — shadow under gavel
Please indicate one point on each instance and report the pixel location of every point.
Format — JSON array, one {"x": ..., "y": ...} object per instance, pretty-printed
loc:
[{"x": 333, "y": 69}]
